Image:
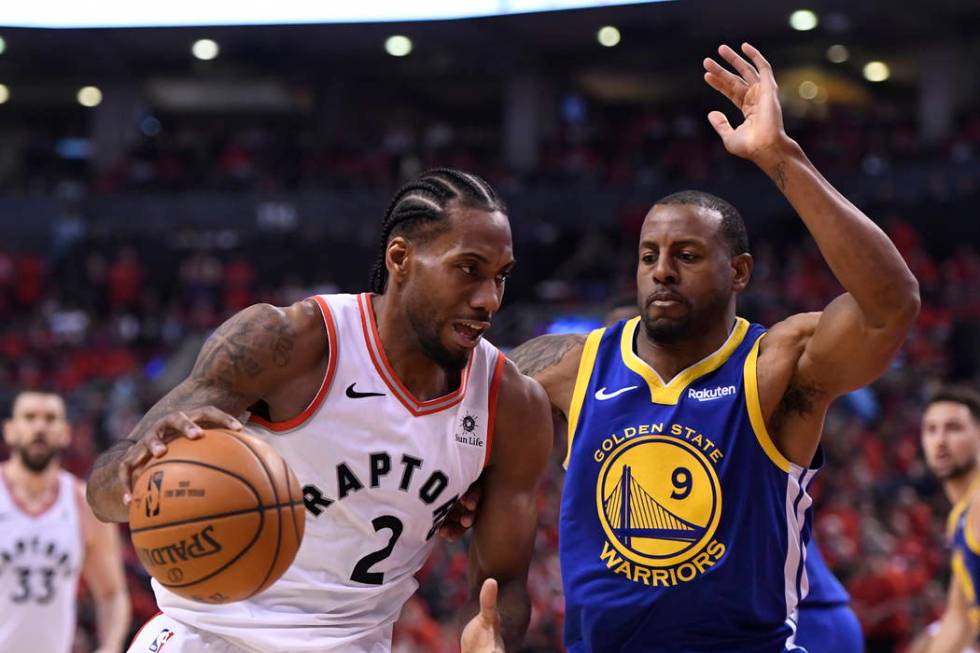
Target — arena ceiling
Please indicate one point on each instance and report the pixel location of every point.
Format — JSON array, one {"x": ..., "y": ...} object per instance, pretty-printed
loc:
[{"x": 663, "y": 40}]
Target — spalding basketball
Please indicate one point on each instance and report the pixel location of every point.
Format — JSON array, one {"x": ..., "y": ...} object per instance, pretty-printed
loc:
[{"x": 217, "y": 519}]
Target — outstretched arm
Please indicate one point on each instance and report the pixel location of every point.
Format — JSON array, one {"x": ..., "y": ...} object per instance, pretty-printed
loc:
[
  {"x": 853, "y": 341},
  {"x": 245, "y": 359},
  {"x": 503, "y": 537}
]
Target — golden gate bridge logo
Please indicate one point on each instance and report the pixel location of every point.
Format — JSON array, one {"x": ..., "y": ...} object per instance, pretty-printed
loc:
[
  {"x": 632, "y": 512},
  {"x": 659, "y": 500}
]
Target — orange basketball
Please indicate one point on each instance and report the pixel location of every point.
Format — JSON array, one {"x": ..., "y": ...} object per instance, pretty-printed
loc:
[{"x": 217, "y": 519}]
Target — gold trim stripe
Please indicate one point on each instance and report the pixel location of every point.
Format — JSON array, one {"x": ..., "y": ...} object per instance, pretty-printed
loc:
[
  {"x": 754, "y": 406},
  {"x": 670, "y": 393},
  {"x": 585, "y": 365}
]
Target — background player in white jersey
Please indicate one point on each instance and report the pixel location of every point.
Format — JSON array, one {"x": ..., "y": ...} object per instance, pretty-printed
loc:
[
  {"x": 385, "y": 405},
  {"x": 48, "y": 537},
  {"x": 951, "y": 443}
]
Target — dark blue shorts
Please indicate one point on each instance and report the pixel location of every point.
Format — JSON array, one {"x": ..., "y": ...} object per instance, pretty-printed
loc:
[{"x": 829, "y": 629}]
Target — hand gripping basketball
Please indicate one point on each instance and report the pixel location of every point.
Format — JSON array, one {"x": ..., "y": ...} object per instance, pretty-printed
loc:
[
  {"x": 153, "y": 442},
  {"x": 218, "y": 518}
]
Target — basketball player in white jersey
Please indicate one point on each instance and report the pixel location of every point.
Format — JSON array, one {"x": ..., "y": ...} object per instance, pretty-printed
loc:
[
  {"x": 49, "y": 537},
  {"x": 387, "y": 405}
]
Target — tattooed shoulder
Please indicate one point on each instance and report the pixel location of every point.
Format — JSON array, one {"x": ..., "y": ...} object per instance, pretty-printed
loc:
[
  {"x": 257, "y": 339},
  {"x": 538, "y": 354}
]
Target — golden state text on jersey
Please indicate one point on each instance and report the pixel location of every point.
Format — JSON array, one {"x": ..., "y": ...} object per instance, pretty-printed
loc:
[{"x": 683, "y": 528}]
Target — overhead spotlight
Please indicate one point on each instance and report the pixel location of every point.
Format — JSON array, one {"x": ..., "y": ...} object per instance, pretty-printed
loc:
[
  {"x": 3, "y": 45},
  {"x": 4, "y": 93},
  {"x": 89, "y": 96},
  {"x": 205, "y": 49},
  {"x": 398, "y": 45},
  {"x": 876, "y": 71},
  {"x": 609, "y": 36},
  {"x": 803, "y": 20},
  {"x": 838, "y": 53},
  {"x": 808, "y": 90}
]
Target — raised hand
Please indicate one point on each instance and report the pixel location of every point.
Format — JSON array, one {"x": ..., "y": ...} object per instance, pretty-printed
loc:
[
  {"x": 482, "y": 633},
  {"x": 753, "y": 91}
]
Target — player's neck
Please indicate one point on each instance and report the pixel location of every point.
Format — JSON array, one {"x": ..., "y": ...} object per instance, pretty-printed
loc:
[
  {"x": 957, "y": 488},
  {"x": 668, "y": 359},
  {"x": 30, "y": 487},
  {"x": 423, "y": 377}
]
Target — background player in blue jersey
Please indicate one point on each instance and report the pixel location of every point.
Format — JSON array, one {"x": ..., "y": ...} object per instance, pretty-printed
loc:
[
  {"x": 951, "y": 442},
  {"x": 683, "y": 510}
]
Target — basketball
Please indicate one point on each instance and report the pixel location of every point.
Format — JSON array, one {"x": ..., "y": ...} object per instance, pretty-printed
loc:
[{"x": 217, "y": 519}]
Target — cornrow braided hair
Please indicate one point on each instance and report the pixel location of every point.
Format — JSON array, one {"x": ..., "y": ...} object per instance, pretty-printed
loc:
[{"x": 422, "y": 203}]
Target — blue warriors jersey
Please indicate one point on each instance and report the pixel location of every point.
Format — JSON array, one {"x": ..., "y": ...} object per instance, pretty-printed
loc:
[
  {"x": 683, "y": 528},
  {"x": 825, "y": 589},
  {"x": 965, "y": 562}
]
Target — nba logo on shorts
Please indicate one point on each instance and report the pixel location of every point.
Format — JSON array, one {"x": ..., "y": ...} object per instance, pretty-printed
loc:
[{"x": 158, "y": 643}]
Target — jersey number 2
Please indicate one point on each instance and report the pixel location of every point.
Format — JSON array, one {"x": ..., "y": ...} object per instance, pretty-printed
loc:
[{"x": 361, "y": 569}]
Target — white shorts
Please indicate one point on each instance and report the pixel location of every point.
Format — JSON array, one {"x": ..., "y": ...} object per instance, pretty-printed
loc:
[{"x": 161, "y": 634}]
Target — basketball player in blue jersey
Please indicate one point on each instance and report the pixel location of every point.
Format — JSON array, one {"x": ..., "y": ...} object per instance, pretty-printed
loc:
[
  {"x": 826, "y": 624},
  {"x": 693, "y": 435},
  {"x": 951, "y": 443},
  {"x": 387, "y": 405}
]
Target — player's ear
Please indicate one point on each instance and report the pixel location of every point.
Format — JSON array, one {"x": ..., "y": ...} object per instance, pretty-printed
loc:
[
  {"x": 397, "y": 258},
  {"x": 8, "y": 432},
  {"x": 742, "y": 267}
]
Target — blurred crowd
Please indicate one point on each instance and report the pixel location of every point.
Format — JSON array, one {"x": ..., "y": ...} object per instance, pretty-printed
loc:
[
  {"x": 114, "y": 323},
  {"x": 585, "y": 144}
]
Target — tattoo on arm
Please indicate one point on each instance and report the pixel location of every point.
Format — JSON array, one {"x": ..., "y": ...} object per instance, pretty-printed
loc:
[
  {"x": 235, "y": 366},
  {"x": 779, "y": 175},
  {"x": 112, "y": 455},
  {"x": 538, "y": 354},
  {"x": 252, "y": 343}
]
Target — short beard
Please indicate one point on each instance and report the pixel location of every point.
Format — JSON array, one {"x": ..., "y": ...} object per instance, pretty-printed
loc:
[
  {"x": 959, "y": 471},
  {"x": 667, "y": 331},
  {"x": 432, "y": 346},
  {"x": 37, "y": 464}
]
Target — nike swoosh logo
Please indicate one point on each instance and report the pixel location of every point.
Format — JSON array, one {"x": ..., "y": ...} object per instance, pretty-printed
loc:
[
  {"x": 602, "y": 395},
  {"x": 354, "y": 394}
]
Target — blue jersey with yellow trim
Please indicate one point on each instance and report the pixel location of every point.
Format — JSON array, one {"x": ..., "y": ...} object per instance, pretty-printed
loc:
[
  {"x": 683, "y": 528},
  {"x": 965, "y": 562}
]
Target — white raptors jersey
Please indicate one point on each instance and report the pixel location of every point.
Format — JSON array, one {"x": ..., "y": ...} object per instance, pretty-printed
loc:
[
  {"x": 380, "y": 470},
  {"x": 40, "y": 560}
]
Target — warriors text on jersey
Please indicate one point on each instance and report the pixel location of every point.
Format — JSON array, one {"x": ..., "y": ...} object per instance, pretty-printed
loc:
[
  {"x": 380, "y": 470},
  {"x": 683, "y": 528},
  {"x": 966, "y": 551},
  {"x": 40, "y": 561}
]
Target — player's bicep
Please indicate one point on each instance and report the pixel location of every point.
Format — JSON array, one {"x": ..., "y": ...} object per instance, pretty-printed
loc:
[
  {"x": 245, "y": 356},
  {"x": 503, "y": 537},
  {"x": 844, "y": 352}
]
